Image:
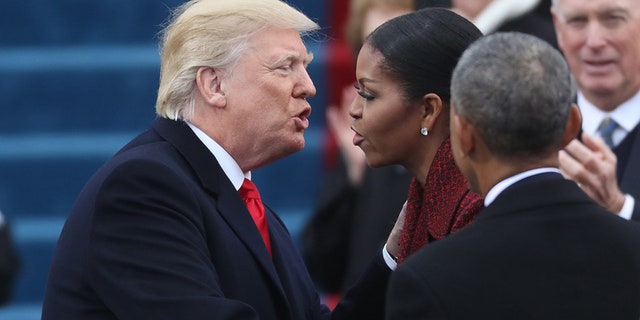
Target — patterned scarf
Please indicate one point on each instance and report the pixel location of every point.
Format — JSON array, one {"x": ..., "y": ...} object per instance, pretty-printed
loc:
[{"x": 444, "y": 205}]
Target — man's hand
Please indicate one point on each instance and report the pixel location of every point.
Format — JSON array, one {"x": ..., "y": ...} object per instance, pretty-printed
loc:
[{"x": 592, "y": 165}]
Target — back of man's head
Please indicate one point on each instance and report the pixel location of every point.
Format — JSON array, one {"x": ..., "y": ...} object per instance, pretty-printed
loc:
[{"x": 517, "y": 91}]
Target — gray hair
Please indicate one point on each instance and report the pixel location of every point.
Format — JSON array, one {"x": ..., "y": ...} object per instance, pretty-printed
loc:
[
  {"x": 213, "y": 33},
  {"x": 517, "y": 91}
]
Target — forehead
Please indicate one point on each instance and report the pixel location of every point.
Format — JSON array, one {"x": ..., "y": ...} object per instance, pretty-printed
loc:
[
  {"x": 369, "y": 63},
  {"x": 276, "y": 44},
  {"x": 596, "y": 6}
]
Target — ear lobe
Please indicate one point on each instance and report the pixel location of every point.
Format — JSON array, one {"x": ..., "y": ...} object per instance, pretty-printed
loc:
[
  {"x": 574, "y": 123},
  {"x": 432, "y": 109},
  {"x": 208, "y": 82}
]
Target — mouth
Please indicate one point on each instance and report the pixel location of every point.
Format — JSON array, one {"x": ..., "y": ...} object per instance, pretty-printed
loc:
[
  {"x": 302, "y": 119},
  {"x": 598, "y": 66},
  {"x": 357, "y": 138}
]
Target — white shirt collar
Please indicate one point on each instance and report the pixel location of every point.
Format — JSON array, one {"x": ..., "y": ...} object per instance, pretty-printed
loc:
[
  {"x": 496, "y": 190},
  {"x": 627, "y": 115},
  {"x": 226, "y": 161}
]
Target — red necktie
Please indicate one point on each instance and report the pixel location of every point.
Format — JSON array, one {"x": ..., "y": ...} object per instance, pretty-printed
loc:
[{"x": 251, "y": 197}]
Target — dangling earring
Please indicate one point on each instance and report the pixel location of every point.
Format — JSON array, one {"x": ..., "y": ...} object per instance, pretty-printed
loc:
[{"x": 424, "y": 131}]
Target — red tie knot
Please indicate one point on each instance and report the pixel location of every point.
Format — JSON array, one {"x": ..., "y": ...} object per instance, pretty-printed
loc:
[{"x": 248, "y": 190}]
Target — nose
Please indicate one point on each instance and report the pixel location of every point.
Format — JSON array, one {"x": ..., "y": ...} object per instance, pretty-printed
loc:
[
  {"x": 596, "y": 36},
  {"x": 305, "y": 88},
  {"x": 355, "y": 108}
]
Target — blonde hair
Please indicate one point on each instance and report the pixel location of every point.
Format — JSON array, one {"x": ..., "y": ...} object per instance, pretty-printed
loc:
[{"x": 213, "y": 33}]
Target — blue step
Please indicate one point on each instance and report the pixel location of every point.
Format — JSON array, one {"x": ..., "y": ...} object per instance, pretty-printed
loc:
[
  {"x": 78, "y": 89},
  {"x": 73, "y": 22},
  {"x": 21, "y": 311},
  {"x": 43, "y": 173},
  {"x": 64, "y": 22}
]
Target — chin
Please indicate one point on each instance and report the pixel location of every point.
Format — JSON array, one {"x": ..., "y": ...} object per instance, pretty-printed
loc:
[
  {"x": 604, "y": 85},
  {"x": 296, "y": 145},
  {"x": 374, "y": 162}
]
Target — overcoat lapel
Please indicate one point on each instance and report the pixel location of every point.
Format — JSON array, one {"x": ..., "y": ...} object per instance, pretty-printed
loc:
[{"x": 229, "y": 203}]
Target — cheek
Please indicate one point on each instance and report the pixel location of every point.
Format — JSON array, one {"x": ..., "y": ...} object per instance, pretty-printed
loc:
[
  {"x": 381, "y": 120},
  {"x": 632, "y": 57},
  {"x": 390, "y": 130},
  {"x": 570, "y": 40},
  {"x": 270, "y": 98}
]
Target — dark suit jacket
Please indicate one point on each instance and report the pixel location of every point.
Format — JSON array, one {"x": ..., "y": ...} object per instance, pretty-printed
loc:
[
  {"x": 628, "y": 153},
  {"x": 159, "y": 232},
  {"x": 541, "y": 250}
]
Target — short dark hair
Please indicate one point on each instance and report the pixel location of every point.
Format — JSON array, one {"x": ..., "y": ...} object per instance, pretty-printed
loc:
[{"x": 517, "y": 91}]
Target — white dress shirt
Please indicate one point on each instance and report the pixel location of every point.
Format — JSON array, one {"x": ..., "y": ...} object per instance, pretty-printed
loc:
[
  {"x": 496, "y": 190},
  {"x": 226, "y": 161},
  {"x": 627, "y": 115}
]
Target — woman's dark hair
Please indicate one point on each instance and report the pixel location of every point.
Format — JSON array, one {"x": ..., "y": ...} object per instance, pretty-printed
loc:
[{"x": 422, "y": 48}]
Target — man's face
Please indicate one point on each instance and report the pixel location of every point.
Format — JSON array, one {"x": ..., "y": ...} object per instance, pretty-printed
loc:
[
  {"x": 600, "y": 40},
  {"x": 267, "y": 91}
]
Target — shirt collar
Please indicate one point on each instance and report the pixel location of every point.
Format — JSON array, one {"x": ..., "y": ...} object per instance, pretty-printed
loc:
[
  {"x": 229, "y": 165},
  {"x": 496, "y": 190},
  {"x": 627, "y": 115}
]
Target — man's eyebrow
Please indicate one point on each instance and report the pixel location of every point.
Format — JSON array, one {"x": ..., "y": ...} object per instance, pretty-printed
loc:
[
  {"x": 292, "y": 56},
  {"x": 614, "y": 10},
  {"x": 309, "y": 58}
]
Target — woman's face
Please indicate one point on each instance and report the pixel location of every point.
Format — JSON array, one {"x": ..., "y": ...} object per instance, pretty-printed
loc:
[{"x": 386, "y": 124}]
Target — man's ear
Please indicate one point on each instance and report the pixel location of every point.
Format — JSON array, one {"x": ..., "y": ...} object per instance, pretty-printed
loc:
[
  {"x": 574, "y": 123},
  {"x": 208, "y": 81},
  {"x": 464, "y": 132},
  {"x": 432, "y": 106}
]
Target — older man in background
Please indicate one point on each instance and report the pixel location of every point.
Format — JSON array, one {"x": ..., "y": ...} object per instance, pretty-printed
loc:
[{"x": 599, "y": 39}]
